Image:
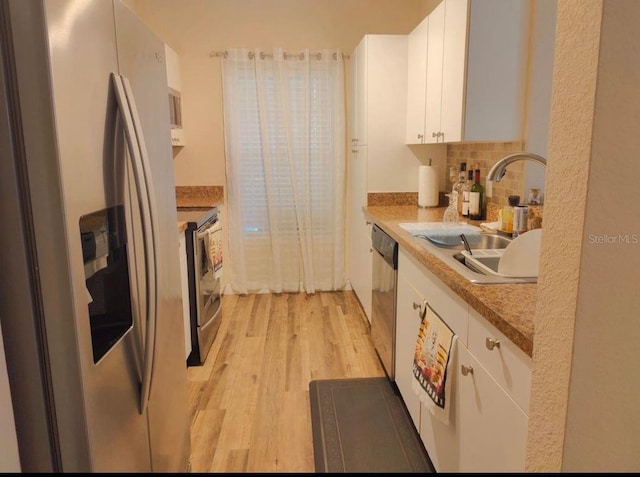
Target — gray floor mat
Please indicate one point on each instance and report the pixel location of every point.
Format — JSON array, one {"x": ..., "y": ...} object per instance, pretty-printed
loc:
[{"x": 361, "y": 425}]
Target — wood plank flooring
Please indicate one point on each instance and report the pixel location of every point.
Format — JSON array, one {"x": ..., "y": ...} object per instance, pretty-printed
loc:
[{"x": 250, "y": 399}]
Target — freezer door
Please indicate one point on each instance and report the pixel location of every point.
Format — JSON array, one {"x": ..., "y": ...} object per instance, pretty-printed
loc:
[
  {"x": 84, "y": 412},
  {"x": 83, "y": 54},
  {"x": 141, "y": 60}
]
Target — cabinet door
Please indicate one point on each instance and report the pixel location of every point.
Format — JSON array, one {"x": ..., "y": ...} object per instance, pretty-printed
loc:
[
  {"x": 417, "y": 82},
  {"x": 449, "y": 306},
  {"x": 501, "y": 96},
  {"x": 433, "y": 96},
  {"x": 509, "y": 365},
  {"x": 353, "y": 99},
  {"x": 454, "y": 68},
  {"x": 361, "y": 266},
  {"x": 361, "y": 88},
  {"x": 442, "y": 441},
  {"x": 407, "y": 325},
  {"x": 492, "y": 428}
]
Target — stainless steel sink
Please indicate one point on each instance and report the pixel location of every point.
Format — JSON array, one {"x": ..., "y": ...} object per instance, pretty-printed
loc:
[
  {"x": 487, "y": 241},
  {"x": 452, "y": 256}
]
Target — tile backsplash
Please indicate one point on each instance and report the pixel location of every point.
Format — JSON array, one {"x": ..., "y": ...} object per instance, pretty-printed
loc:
[{"x": 485, "y": 155}]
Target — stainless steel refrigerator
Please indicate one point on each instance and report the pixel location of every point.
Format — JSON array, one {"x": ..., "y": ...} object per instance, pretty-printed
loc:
[{"x": 90, "y": 295}]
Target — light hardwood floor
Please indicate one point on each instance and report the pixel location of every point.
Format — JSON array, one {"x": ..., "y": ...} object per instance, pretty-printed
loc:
[{"x": 250, "y": 400}]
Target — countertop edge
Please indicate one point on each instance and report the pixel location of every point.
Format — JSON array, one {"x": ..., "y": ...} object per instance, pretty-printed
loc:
[
  {"x": 183, "y": 224},
  {"x": 513, "y": 317}
]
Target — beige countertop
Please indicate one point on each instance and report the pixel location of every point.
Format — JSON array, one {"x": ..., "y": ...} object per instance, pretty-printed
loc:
[{"x": 508, "y": 307}]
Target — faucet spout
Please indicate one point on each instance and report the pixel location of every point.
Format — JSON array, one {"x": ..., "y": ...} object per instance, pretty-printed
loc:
[{"x": 499, "y": 169}]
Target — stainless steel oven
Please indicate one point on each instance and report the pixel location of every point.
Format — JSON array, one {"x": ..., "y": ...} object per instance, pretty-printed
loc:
[{"x": 204, "y": 267}]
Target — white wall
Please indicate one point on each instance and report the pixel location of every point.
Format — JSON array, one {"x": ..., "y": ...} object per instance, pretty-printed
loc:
[{"x": 539, "y": 90}]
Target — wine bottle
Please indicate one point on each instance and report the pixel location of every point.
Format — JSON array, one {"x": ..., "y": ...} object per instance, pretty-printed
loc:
[
  {"x": 466, "y": 189},
  {"x": 476, "y": 198},
  {"x": 458, "y": 186}
]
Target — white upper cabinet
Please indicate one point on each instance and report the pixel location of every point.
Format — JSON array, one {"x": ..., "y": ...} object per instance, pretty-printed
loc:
[
  {"x": 475, "y": 74},
  {"x": 416, "y": 82},
  {"x": 172, "y": 63},
  {"x": 434, "y": 78}
]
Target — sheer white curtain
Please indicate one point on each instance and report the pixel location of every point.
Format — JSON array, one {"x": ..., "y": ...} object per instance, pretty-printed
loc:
[{"x": 284, "y": 123}]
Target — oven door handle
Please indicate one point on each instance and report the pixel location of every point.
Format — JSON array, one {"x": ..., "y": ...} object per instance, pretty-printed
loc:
[
  {"x": 146, "y": 203},
  {"x": 204, "y": 324},
  {"x": 214, "y": 228}
]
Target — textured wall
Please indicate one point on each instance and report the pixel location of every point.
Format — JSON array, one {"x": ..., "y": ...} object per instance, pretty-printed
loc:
[
  {"x": 584, "y": 415},
  {"x": 574, "y": 88},
  {"x": 603, "y": 420}
]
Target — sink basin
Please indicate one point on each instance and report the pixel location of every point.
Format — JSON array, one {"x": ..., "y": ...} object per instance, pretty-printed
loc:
[
  {"x": 487, "y": 241},
  {"x": 452, "y": 255},
  {"x": 450, "y": 240}
]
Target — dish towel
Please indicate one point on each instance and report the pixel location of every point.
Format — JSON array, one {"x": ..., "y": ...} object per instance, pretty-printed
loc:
[
  {"x": 432, "y": 364},
  {"x": 444, "y": 234}
]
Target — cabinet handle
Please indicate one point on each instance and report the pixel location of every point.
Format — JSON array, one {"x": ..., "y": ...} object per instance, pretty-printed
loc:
[
  {"x": 420, "y": 136},
  {"x": 433, "y": 134},
  {"x": 490, "y": 343},
  {"x": 466, "y": 370},
  {"x": 422, "y": 309}
]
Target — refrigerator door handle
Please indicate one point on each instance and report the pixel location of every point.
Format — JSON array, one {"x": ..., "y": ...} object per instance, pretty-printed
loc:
[{"x": 146, "y": 198}]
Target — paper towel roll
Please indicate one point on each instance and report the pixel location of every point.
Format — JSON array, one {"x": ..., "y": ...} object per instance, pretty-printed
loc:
[{"x": 428, "y": 193}]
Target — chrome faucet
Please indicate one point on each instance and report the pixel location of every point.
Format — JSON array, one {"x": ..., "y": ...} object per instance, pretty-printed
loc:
[{"x": 499, "y": 169}]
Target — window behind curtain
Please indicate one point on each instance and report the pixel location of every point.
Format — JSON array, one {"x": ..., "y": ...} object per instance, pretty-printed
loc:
[{"x": 284, "y": 138}]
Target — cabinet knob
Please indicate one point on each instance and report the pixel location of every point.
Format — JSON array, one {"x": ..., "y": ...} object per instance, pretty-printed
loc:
[
  {"x": 433, "y": 134},
  {"x": 466, "y": 370},
  {"x": 490, "y": 343},
  {"x": 420, "y": 136}
]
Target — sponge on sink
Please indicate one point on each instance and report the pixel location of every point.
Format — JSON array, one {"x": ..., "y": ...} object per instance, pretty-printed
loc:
[{"x": 444, "y": 234}]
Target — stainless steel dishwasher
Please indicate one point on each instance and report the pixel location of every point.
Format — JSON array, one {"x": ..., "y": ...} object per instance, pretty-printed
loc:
[{"x": 383, "y": 298}]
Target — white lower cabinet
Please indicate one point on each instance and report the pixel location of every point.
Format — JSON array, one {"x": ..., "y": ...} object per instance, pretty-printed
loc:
[
  {"x": 492, "y": 429},
  {"x": 407, "y": 325},
  {"x": 443, "y": 441},
  {"x": 490, "y": 382}
]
